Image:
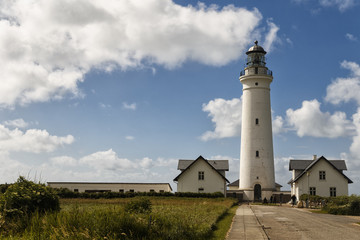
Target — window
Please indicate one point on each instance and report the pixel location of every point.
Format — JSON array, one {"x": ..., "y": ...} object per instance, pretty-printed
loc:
[
  {"x": 121, "y": 190},
  {"x": 131, "y": 190},
  {"x": 201, "y": 190},
  {"x": 256, "y": 70},
  {"x": 201, "y": 175},
  {"x": 257, "y": 154},
  {"x": 256, "y": 83},
  {"x": 333, "y": 192},
  {"x": 76, "y": 190},
  {"x": 312, "y": 191},
  {"x": 152, "y": 190},
  {"x": 322, "y": 175},
  {"x": 161, "y": 191},
  {"x": 257, "y": 121}
]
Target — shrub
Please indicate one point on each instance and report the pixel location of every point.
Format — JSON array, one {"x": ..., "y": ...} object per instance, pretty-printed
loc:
[
  {"x": 140, "y": 205},
  {"x": 25, "y": 197},
  {"x": 354, "y": 208}
]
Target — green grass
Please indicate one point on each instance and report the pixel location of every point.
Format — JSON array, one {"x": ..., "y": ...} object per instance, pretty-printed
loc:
[
  {"x": 224, "y": 223},
  {"x": 170, "y": 218}
]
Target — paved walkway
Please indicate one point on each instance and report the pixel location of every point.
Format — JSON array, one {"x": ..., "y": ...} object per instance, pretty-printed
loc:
[{"x": 245, "y": 225}]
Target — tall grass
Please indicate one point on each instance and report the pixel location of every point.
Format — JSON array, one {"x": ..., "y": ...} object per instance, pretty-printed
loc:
[{"x": 170, "y": 218}]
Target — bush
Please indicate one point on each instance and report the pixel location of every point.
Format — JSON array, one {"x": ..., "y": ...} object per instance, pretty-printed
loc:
[
  {"x": 140, "y": 205},
  {"x": 25, "y": 197},
  {"x": 354, "y": 208}
]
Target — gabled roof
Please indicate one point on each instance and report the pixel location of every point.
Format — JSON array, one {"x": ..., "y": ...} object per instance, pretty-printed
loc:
[
  {"x": 236, "y": 183},
  {"x": 200, "y": 158},
  {"x": 314, "y": 162},
  {"x": 220, "y": 165},
  {"x": 303, "y": 164}
]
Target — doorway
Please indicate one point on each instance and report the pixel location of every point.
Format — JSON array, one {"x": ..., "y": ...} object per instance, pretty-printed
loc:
[{"x": 257, "y": 193}]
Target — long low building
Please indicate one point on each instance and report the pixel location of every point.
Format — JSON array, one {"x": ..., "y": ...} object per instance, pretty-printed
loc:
[{"x": 112, "y": 187}]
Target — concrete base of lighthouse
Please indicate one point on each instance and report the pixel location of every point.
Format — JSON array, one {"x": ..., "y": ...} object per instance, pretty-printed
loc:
[{"x": 250, "y": 195}]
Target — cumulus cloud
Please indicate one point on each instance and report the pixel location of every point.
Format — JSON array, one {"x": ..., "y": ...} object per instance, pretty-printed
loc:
[
  {"x": 278, "y": 125},
  {"x": 309, "y": 120},
  {"x": 49, "y": 46},
  {"x": 226, "y": 114},
  {"x": 32, "y": 140},
  {"x": 345, "y": 89},
  {"x": 355, "y": 146},
  {"x": 107, "y": 160},
  {"x": 64, "y": 161},
  {"x": 107, "y": 166},
  {"x": 282, "y": 173},
  {"x": 18, "y": 123}
]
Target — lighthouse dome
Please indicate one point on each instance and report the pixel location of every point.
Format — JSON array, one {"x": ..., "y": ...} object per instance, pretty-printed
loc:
[{"x": 256, "y": 48}]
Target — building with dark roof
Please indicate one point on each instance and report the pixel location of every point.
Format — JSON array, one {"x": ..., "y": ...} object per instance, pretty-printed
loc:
[
  {"x": 112, "y": 186},
  {"x": 202, "y": 175},
  {"x": 319, "y": 176}
]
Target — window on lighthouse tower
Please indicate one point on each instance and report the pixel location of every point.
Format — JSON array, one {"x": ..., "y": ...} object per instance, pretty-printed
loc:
[{"x": 257, "y": 154}]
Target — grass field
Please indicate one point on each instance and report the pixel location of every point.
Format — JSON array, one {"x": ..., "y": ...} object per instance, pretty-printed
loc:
[{"x": 169, "y": 218}]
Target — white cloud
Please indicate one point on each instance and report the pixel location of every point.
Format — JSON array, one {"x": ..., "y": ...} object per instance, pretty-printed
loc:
[
  {"x": 355, "y": 146},
  {"x": 278, "y": 125},
  {"x": 49, "y": 46},
  {"x": 351, "y": 37},
  {"x": 146, "y": 162},
  {"x": 271, "y": 36},
  {"x": 104, "y": 106},
  {"x": 310, "y": 121},
  {"x": 33, "y": 140},
  {"x": 108, "y": 160},
  {"x": 345, "y": 89},
  {"x": 282, "y": 173},
  {"x": 64, "y": 161},
  {"x": 226, "y": 114},
  {"x": 131, "y": 106},
  {"x": 130, "y": 138},
  {"x": 18, "y": 123},
  {"x": 341, "y": 4}
]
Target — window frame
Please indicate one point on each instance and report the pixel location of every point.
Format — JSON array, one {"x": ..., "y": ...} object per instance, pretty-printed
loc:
[
  {"x": 322, "y": 175},
  {"x": 332, "y": 191},
  {"x": 312, "y": 191},
  {"x": 201, "y": 175}
]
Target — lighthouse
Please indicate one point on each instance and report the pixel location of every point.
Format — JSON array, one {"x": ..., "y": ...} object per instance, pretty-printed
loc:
[{"x": 257, "y": 177}]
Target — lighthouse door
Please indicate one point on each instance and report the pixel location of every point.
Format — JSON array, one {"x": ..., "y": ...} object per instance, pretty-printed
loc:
[{"x": 257, "y": 193}]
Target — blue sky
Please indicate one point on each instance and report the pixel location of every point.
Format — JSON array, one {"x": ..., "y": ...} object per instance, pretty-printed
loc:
[{"x": 120, "y": 90}]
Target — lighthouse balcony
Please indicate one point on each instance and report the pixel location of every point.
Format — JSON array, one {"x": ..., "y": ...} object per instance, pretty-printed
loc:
[{"x": 260, "y": 71}]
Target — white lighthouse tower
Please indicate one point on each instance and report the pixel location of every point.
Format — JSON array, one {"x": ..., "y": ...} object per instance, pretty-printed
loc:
[{"x": 257, "y": 177}]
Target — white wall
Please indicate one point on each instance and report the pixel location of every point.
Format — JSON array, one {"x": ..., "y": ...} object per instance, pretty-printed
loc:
[
  {"x": 333, "y": 179},
  {"x": 189, "y": 181},
  {"x": 256, "y": 137}
]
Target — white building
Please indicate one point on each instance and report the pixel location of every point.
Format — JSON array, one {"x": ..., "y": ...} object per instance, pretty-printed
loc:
[
  {"x": 257, "y": 176},
  {"x": 201, "y": 175},
  {"x": 112, "y": 187},
  {"x": 319, "y": 176}
]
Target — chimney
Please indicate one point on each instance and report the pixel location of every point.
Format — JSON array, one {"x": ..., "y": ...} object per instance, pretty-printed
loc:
[{"x": 314, "y": 157}]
